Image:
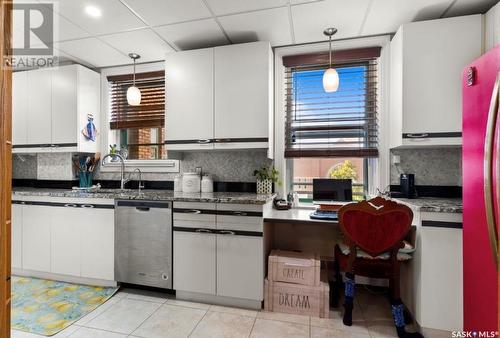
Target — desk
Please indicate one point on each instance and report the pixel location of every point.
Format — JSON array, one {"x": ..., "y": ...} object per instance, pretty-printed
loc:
[{"x": 294, "y": 230}]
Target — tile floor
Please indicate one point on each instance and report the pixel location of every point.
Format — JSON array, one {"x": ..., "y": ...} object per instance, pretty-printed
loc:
[{"x": 135, "y": 313}]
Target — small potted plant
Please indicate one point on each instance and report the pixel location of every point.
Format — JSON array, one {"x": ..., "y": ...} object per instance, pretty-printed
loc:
[{"x": 265, "y": 178}]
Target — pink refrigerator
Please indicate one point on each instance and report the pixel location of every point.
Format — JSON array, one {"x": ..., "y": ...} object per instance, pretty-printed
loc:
[{"x": 481, "y": 191}]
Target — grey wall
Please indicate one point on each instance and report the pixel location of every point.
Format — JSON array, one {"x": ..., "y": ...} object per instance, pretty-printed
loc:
[
  {"x": 430, "y": 166},
  {"x": 228, "y": 166}
]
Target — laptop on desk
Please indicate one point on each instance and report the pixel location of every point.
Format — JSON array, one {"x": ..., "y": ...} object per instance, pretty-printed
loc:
[{"x": 330, "y": 194}]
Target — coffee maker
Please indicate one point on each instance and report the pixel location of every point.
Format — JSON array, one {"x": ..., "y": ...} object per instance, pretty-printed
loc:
[{"x": 407, "y": 184}]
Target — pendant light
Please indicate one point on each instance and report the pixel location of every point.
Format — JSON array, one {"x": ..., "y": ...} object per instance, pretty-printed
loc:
[
  {"x": 133, "y": 93},
  {"x": 330, "y": 77}
]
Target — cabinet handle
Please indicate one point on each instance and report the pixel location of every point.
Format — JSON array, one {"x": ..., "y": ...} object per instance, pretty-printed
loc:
[
  {"x": 196, "y": 212},
  {"x": 239, "y": 213},
  {"x": 53, "y": 145},
  {"x": 204, "y": 231},
  {"x": 227, "y": 232},
  {"x": 204, "y": 141},
  {"x": 422, "y": 135},
  {"x": 87, "y": 206},
  {"x": 144, "y": 209},
  {"x": 69, "y": 205}
]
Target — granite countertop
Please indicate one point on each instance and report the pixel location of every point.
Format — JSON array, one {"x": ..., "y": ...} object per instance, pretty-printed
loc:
[
  {"x": 431, "y": 204},
  {"x": 152, "y": 195}
]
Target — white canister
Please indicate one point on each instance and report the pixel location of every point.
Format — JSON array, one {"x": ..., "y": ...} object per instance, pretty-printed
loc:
[
  {"x": 191, "y": 182},
  {"x": 207, "y": 184},
  {"x": 178, "y": 183}
]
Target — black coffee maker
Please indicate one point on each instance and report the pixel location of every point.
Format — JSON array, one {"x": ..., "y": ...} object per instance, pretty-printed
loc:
[{"x": 407, "y": 184}]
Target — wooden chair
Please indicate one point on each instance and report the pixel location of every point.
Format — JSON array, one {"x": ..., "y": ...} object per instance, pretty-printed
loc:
[{"x": 371, "y": 229}]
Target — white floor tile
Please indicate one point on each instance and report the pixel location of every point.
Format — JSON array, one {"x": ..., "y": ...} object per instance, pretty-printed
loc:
[
  {"x": 86, "y": 332},
  {"x": 125, "y": 316},
  {"x": 219, "y": 324},
  {"x": 170, "y": 321},
  {"x": 184, "y": 303},
  {"x": 233, "y": 310},
  {"x": 144, "y": 295},
  {"x": 335, "y": 322},
  {"x": 285, "y": 317},
  {"x": 323, "y": 332},
  {"x": 264, "y": 328},
  {"x": 87, "y": 318}
]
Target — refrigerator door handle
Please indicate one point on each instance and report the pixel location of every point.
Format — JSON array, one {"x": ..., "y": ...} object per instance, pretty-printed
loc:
[{"x": 488, "y": 169}]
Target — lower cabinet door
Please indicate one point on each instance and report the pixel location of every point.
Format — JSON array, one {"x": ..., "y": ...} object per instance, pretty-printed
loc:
[
  {"x": 36, "y": 238},
  {"x": 65, "y": 241},
  {"x": 240, "y": 269},
  {"x": 194, "y": 262},
  {"x": 17, "y": 236},
  {"x": 98, "y": 244}
]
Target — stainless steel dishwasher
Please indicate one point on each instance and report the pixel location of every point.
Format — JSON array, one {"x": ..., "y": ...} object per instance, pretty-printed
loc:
[{"x": 143, "y": 243}]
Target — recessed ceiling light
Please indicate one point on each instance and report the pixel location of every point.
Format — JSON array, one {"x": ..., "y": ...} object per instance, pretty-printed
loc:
[{"x": 93, "y": 11}]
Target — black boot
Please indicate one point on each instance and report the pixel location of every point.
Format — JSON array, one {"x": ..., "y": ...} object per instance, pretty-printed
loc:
[
  {"x": 399, "y": 320},
  {"x": 349, "y": 298}
]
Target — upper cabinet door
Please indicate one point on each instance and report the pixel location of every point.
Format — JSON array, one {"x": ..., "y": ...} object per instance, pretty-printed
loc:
[
  {"x": 19, "y": 107},
  {"x": 189, "y": 99},
  {"x": 64, "y": 86},
  {"x": 243, "y": 91},
  {"x": 39, "y": 120}
]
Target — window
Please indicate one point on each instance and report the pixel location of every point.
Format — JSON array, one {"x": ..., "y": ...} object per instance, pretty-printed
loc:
[
  {"x": 139, "y": 130},
  {"x": 331, "y": 135}
]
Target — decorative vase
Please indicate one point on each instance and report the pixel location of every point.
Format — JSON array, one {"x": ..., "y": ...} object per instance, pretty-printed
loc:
[{"x": 264, "y": 187}]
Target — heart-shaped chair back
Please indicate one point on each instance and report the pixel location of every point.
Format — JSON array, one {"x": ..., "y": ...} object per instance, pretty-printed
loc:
[{"x": 375, "y": 226}]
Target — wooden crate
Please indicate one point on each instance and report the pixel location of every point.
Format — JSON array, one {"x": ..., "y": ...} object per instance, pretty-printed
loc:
[
  {"x": 297, "y": 299},
  {"x": 294, "y": 267}
]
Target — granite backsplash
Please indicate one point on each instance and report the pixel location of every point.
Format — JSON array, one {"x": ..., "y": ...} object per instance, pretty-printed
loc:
[
  {"x": 225, "y": 166},
  {"x": 432, "y": 167}
]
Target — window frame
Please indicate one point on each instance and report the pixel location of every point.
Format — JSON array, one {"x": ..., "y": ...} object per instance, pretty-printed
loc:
[{"x": 151, "y": 166}]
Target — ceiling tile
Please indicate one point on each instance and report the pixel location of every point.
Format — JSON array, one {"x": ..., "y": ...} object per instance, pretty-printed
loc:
[
  {"x": 93, "y": 51},
  {"x": 116, "y": 17},
  {"x": 221, "y": 7},
  {"x": 66, "y": 30},
  {"x": 385, "y": 16},
  {"x": 143, "y": 42},
  {"x": 467, "y": 7},
  {"x": 193, "y": 35},
  {"x": 269, "y": 25},
  {"x": 162, "y": 12},
  {"x": 309, "y": 20}
]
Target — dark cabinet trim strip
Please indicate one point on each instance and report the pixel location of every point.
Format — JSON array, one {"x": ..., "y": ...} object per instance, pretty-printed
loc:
[
  {"x": 67, "y": 205},
  {"x": 443, "y": 224},
  {"x": 194, "y": 211},
  {"x": 143, "y": 204},
  {"x": 219, "y": 232},
  {"x": 219, "y": 212},
  {"x": 45, "y": 145},
  {"x": 424, "y": 135},
  {"x": 219, "y": 140}
]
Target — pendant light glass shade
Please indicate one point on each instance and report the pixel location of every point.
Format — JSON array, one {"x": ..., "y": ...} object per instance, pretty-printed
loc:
[
  {"x": 330, "y": 76},
  {"x": 133, "y": 96},
  {"x": 330, "y": 80},
  {"x": 133, "y": 93}
]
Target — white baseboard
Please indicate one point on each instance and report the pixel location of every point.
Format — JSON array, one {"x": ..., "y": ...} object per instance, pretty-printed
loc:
[
  {"x": 63, "y": 278},
  {"x": 219, "y": 300}
]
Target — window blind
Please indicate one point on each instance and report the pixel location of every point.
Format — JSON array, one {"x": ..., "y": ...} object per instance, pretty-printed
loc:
[
  {"x": 339, "y": 124},
  {"x": 150, "y": 113}
]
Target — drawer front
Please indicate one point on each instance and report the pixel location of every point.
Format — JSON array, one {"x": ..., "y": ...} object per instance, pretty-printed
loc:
[
  {"x": 241, "y": 217},
  {"x": 194, "y": 215}
]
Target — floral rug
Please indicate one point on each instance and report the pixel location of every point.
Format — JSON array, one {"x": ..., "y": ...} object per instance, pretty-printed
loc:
[{"x": 46, "y": 307}]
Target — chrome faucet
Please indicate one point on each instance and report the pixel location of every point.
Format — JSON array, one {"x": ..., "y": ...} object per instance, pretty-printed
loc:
[
  {"x": 123, "y": 180},
  {"x": 141, "y": 184}
]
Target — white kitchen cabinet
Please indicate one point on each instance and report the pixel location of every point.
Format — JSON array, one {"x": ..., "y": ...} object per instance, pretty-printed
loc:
[
  {"x": 219, "y": 98},
  {"x": 39, "y": 119},
  {"x": 17, "y": 236},
  {"x": 240, "y": 271},
  {"x": 19, "y": 107},
  {"x": 50, "y": 114},
  {"x": 243, "y": 95},
  {"x": 65, "y": 245},
  {"x": 427, "y": 61},
  {"x": 189, "y": 99},
  {"x": 36, "y": 238},
  {"x": 194, "y": 262},
  {"x": 492, "y": 27},
  {"x": 97, "y": 242},
  {"x": 64, "y": 97}
]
